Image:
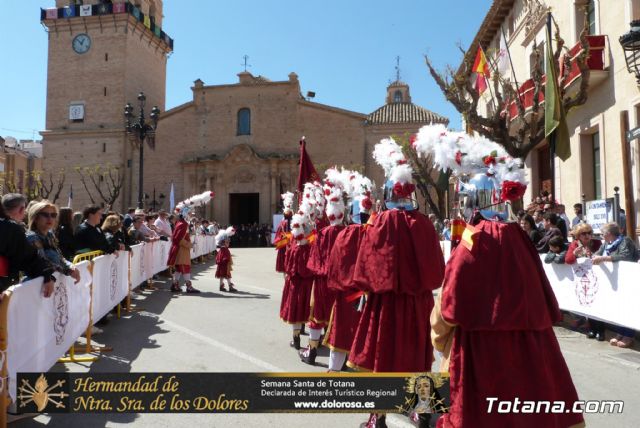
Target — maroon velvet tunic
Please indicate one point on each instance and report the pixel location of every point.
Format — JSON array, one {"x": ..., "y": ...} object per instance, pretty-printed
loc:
[
  {"x": 323, "y": 298},
  {"x": 283, "y": 227},
  {"x": 223, "y": 262},
  {"x": 502, "y": 304},
  {"x": 344, "y": 314},
  {"x": 296, "y": 295},
  {"x": 399, "y": 263}
]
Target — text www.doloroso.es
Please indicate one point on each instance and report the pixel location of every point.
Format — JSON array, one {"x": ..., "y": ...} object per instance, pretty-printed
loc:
[
  {"x": 526, "y": 406},
  {"x": 334, "y": 404}
]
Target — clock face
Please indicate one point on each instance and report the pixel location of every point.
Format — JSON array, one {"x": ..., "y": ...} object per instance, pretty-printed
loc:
[{"x": 81, "y": 43}]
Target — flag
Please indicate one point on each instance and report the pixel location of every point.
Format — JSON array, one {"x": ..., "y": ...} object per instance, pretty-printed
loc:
[
  {"x": 307, "y": 172},
  {"x": 147, "y": 21},
  {"x": 157, "y": 31},
  {"x": 503, "y": 55},
  {"x": 85, "y": 10},
  {"x": 554, "y": 117},
  {"x": 52, "y": 14},
  {"x": 70, "y": 201},
  {"x": 481, "y": 68},
  {"x": 172, "y": 198},
  {"x": 69, "y": 11},
  {"x": 119, "y": 7},
  {"x": 103, "y": 9},
  {"x": 136, "y": 13}
]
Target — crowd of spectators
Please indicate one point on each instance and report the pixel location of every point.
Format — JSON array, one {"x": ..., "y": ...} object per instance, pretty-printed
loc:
[{"x": 252, "y": 235}]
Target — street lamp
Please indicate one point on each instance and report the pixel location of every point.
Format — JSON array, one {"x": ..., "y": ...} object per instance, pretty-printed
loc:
[
  {"x": 140, "y": 131},
  {"x": 631, "y": 46}
]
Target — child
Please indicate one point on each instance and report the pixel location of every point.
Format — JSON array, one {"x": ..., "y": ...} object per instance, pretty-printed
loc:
[
  {"x": 223, "y": 258},
  {"x": 557, "y": 250}
]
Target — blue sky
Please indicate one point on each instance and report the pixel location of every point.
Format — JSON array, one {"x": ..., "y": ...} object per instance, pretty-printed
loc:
[{"x": 343, "y": 50}]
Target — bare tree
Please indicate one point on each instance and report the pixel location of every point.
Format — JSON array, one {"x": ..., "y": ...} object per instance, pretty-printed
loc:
[
  {"x": 521, "y": 134},
  {"x": 50, "y": 187},
  {"x": 38, "y": 187},
  {"x": 102, "y": 183}
]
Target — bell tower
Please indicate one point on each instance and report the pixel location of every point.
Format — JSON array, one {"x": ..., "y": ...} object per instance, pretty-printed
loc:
[{"x": 101, "y": 55}]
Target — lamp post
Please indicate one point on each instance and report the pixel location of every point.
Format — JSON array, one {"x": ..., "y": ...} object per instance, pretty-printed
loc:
[
  {"x": 631, "y": 46},
  {"x": 140, "y": 131}
]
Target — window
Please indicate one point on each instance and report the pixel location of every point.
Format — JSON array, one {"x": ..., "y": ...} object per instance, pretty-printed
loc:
[
  {"x": 586, "y": 15},
  {"x": 635, "y": 10},
  {"x": 595, "y": 140},
  {"x": 511, "y": 25},
  {"x": 244, "y": 121},
  {"x": 591, "y": 17},
  {"x": 397, "y": 96}
]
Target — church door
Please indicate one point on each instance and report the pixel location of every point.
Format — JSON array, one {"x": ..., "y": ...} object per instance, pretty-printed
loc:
[{"x": 244, "y": 208}]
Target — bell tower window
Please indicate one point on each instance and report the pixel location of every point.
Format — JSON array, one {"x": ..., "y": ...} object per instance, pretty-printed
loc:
[
  {"x": 244, "y": 121},
  {"x": 397, "y": 96}
]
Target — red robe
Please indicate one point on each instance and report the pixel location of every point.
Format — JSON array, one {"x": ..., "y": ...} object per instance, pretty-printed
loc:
[
  {"x": 503, "y": 308},
  {"x": 223, "y": 262},
  {"x": 399, "y": 263},
  {"x": 296, "y": 295},
  {"x": 283, "y": 228},
  {"x": 344, "y": 314},
  {"x": 323, "y": 298},
  {"x": 180, "y": 232}
]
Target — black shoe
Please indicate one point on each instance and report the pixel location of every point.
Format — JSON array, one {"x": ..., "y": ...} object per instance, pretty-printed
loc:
[
  {"x": 192, "y": 290},
  {"x": 591, "y": 334},
  {"x": 295, "y": 343},
  {"x": 231, "y": 289},
  {"x": 302, "y": 330},
  {"x": 600, "y": 337},
  {"x": 308, "y": 356}
]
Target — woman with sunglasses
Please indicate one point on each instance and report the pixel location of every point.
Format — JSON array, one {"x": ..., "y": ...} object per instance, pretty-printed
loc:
[
  {"x": 42, "y": 218},
  {"x": 583, "y": 244}
]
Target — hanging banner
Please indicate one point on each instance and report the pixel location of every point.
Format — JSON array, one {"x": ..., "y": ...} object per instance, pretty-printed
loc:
[
  {"x": 85, "y": 10},
  {"x": 41, "y": 329},
  {"x": 137, "y": 265},
  {"x": 110, "y": 283},
  {"x": 608, "y": 292},
  {"x": 119, "y": 7},
  {"x": 69, "y": 11},
  {"x": 51, "y": 14},
  {"x": 148, "y": 259}
]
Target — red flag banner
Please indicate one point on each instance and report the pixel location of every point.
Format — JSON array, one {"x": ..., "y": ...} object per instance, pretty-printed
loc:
[
  {"x": 307, "y": 172},
  {"x": 481, "y": 68}
]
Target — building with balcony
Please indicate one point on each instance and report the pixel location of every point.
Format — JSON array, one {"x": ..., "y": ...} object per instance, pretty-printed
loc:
[{"x": 596, "y": 128}]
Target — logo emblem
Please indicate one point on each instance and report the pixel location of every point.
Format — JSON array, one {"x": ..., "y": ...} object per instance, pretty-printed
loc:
[
  {"x": 42, "y": 394},
  {"x": 61, "y": 305},
  {"x": 113, "y": 285},
  {"x": 586, "y": 284}
]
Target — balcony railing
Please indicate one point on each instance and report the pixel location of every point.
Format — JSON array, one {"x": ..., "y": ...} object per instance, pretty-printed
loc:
[{"x": 596, "y": 63}]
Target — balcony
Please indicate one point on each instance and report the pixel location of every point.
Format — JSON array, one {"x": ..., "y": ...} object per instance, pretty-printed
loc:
[{"x": 597, "y": 63}]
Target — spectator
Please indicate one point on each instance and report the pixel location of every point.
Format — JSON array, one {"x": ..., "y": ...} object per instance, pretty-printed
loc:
[
  {"x": 143, "y": 228},
  {"x": 560, "y": 210},
  {"x": 135, "y": 233},
  {"x": 112, "y": 229},
  {"x": 446, "y": 231},
  {"x": 214, "y": 228},
  {"x": 557, "y": 250},
  {"x": 582, "y": 245},
  {"x": 577, "y": 210},
  {"x": 538, "y": 217},
  {"x": 89, "y": 236},
  {"x": 41, "y": 223},
  {"x": 550, "y": 230},
  {"x": 172, "y": 222},
  {"x": 77, "y": 219},
  {"x": 64, "y": 233},
  {"x": 617, "y": 248},
  {"x": 163, "y": 227},
  {"x": 529, "y": 225},
  {"x": 128, "y": 218},
  {"x": 622, "y": 221},
  {"x": 436, "y": 223},
  {"x": 15, "y": 252}
]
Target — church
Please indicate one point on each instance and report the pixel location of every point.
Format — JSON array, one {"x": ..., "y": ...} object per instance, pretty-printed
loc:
[{"x": 239, "y": 140}]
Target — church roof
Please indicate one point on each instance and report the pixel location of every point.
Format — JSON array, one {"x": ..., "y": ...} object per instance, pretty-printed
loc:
[{"x": 400, "y": 113}]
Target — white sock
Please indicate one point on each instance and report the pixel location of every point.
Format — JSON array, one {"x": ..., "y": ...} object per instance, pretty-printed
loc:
[
  {"x": 296, "y": 327},
  {"x": 336, "y": 360},
  {"x": 186, "y": 276},
  {"x": 176, "y": 276},
  {"x": 315, "y": 333}
]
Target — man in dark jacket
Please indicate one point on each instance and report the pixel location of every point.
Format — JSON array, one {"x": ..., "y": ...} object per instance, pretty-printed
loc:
[
  {"x": 16, "y": 254},
  {"x": 89, "y": 236}
]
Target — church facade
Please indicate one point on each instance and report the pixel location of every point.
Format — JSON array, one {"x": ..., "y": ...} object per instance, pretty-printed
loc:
[{"x": 239, "y": 140}]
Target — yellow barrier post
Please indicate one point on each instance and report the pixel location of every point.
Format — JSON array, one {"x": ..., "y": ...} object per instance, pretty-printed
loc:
[{"x": 4, "y": 378}]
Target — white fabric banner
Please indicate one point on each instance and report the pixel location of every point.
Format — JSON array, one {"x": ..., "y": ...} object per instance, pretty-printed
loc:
[
  {"x": 160, "y": 255},
  {"x": 147, "y": 254},
  {"x": 110, "y": 282},
  {"x": 608, "y": 292},
  {"x": 41, "y": 330},
  {"x": 85, "y": 10},
  {"x": 194, "y": 246},
  {"x": 445, "y": 246},
  {"x": 137, "y": 265}
]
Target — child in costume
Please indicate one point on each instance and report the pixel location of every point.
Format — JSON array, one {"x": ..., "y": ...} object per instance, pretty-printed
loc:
[{"x": 223, "y": 258}]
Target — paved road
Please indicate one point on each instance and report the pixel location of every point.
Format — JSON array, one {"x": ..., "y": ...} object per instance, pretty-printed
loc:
[{"x": 221, "y": 332}]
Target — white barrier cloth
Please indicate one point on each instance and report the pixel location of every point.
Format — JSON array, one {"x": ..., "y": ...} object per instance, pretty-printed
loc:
[
  {"x": 42, "y": 329},
  {"x": 609, "y": 292},
  {"x": 110, "y": 282},
  {"x": 137, "y": 265}
]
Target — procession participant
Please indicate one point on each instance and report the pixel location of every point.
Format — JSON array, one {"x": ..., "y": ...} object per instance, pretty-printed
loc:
[
  {"x": 180, "y": 254},
  {"x": 344, "y": 313},
  {"x": 496, "y": 296},
  {"x": 223, "y": 258},
  {"x": 283, "y": 232},
  {"x": 323, "y": 298},
  {"x": 399, "y": 263},
  {"x": 296, "y": 294}
]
